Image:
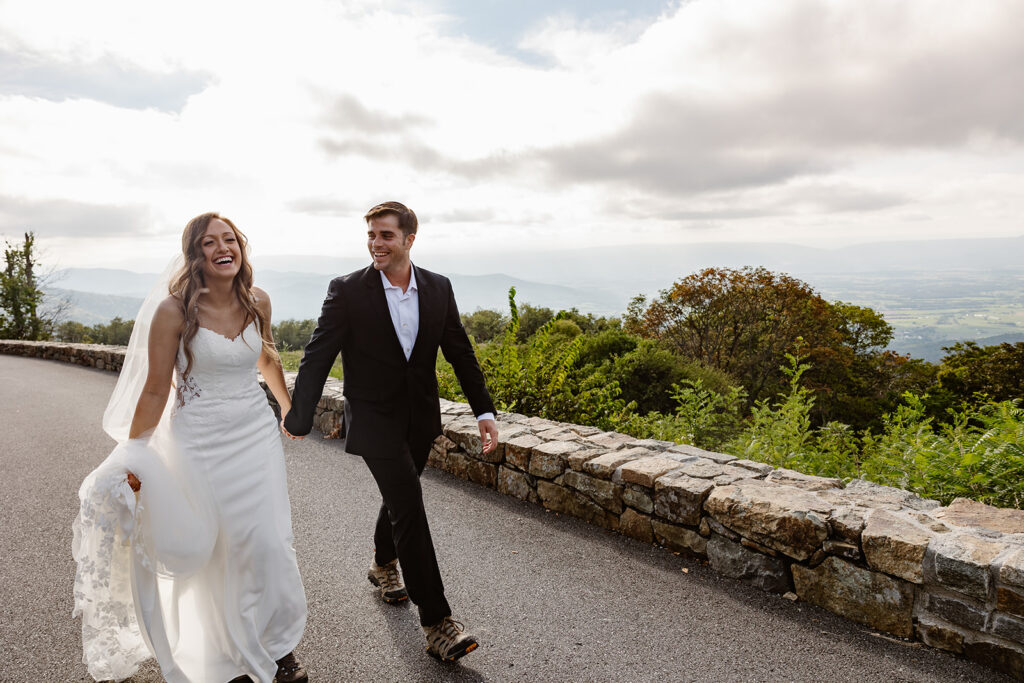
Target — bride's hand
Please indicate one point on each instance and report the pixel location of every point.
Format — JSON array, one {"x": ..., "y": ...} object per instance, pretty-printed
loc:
[
  {"x": 285, "y": 431},
  {"x": 134, "y": 482}
]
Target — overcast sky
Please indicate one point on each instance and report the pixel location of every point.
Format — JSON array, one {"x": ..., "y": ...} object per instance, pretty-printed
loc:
[{"x": 526, "y": 124}]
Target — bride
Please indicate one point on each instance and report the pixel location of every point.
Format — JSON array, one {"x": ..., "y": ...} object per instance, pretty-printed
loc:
[{"x": 183, "y": 541}]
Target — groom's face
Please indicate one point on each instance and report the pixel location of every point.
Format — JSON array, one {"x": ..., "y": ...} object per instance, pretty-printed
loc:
[{"x": 388, "y": 246}]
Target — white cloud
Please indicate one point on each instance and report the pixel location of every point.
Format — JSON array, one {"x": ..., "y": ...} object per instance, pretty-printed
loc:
[{"x": 803, "y": 120}]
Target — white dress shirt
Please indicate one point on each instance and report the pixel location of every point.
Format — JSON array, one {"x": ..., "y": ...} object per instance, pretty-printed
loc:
[{"x": 404, "y": 308}]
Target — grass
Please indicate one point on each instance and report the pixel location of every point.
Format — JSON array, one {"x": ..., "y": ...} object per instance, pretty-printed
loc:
[{"x": 290, "y": 361}]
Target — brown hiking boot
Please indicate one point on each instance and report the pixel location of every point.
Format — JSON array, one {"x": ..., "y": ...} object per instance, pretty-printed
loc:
[
  {"x": 448, "y": 640},
  {"x": 389, "y": 581}
]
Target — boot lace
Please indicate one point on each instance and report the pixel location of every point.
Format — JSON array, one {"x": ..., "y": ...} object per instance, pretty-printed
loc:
[
  {"x": 391, "y": 580},
  {"x": 451, "y": 628}
]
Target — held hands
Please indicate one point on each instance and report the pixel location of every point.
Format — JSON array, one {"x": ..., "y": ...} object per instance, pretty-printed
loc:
[
  {"x": 488, "y": 435},
  {"x": 285, "y": 431}
]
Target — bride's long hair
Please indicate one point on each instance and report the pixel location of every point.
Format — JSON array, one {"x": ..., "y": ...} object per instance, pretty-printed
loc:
[{"x": 188, "y": 283}]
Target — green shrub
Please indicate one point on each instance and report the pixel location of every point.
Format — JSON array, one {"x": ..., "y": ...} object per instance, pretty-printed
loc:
[
  {"x": 291, "y": 335},
  {"x": 484, "y": 325},
  {"x": 703, "y": 417}
]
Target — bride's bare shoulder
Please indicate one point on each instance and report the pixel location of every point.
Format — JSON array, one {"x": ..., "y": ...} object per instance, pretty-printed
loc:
[
  {"x": 262, "y": 300},
  {"x": 169, "y": 314}
]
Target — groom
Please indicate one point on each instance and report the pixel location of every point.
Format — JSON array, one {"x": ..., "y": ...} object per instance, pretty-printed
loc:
[{"x": 388, "y": 321}]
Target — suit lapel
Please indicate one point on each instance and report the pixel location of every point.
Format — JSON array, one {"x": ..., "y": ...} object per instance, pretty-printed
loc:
[{"x": 381, "y": 314}]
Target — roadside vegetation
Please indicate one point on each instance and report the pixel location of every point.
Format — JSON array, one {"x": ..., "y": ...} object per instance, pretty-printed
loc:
[
  {"x": 743, "y": 361},
  {"x": 757, "y": 365}
]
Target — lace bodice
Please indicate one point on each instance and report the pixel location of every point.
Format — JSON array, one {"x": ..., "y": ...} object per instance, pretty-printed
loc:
[{"x": 222, "y": 368}]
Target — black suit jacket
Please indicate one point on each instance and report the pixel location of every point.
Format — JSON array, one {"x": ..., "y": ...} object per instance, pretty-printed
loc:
[{"x": 389, "y": 401}]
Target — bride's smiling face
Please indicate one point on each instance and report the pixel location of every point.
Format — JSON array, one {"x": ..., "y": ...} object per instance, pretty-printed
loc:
[{"x": 222, "y": 256}]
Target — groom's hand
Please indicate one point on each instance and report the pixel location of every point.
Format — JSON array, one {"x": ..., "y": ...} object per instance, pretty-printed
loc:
[
  {"x": 488, "y": 434},
  {"x": 286, "y": 432}
]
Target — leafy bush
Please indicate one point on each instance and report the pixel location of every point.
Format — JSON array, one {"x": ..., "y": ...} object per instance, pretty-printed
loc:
[
  {"x": 531, "y": 319},
  {"x": 484, "y": 325},
  {"x": 978, "y": 453},
  {"x": 539, "y": 376},
  {"x": 604, "y": 345},
  {"x": 648, "y": 376},
  {"x": 703, "y": 417},
  {"x": 996, "y": 371},
  {"x": 780, "y": 432},
  {"x": 291, "y": 335},
  {"x": 117, "y": 332}
]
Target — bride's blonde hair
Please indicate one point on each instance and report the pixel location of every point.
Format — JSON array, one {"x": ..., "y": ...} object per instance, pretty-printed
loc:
[{"x": 188, "y": 283}]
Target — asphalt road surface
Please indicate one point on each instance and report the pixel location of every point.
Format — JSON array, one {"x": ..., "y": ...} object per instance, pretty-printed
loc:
[{"x": 549, "y": 597}]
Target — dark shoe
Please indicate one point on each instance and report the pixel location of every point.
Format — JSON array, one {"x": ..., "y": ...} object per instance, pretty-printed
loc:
[
  {"x": 290, "y": 671},
  {"x": 241, "y": 679},
  {"x": 389, "y": 581},
  {"x": 448, "y": 640}
]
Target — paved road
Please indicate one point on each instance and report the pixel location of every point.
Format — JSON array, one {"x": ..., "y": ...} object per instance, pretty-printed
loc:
[{"x": 551, "y": 598}]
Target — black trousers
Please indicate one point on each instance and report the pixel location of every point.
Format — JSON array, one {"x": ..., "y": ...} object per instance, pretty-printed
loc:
[{"x": 402, "y": 531}]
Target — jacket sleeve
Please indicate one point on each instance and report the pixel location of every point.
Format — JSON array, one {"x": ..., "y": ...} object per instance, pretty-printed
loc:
[
  {"x": 458, "y": 351},
  {"x": 317, "y": 360}
]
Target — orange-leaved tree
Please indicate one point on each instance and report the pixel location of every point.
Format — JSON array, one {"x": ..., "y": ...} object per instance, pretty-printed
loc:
[{"x": 744, "y": 322}]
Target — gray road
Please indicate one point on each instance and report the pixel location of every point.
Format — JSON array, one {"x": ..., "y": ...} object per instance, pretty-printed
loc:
[{"x": 551, "y": 598}]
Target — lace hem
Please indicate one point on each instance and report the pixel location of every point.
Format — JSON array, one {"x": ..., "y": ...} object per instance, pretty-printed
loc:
[{"x": 112, "y": 643}]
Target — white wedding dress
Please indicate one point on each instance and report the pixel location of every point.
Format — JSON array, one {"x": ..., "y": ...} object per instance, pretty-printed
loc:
[{"x": 199, "y": 568}]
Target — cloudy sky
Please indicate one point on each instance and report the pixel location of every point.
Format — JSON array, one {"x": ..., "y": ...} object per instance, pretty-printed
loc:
[{"x": 508, "y": 125}]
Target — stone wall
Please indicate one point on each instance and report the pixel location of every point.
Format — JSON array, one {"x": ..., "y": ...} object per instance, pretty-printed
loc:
[
  {"x": 951, "y": 577},
  {"x": 92, "y": 355}
]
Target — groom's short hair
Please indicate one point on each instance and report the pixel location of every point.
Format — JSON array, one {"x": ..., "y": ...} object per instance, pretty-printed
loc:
[{"x": 406, "y": 217}]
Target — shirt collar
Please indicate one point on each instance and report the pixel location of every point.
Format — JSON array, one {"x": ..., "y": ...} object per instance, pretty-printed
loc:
[{"x": 412, "y": 281}]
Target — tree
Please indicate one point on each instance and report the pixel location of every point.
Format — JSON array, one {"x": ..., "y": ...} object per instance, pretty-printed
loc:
[
  {"x": 531, "y": 319},
  {"x": 745, "y": 322},
  {"x": 73, "y": 332},
  {"x": 589, "y": 323},
  {"x": 742, "y": 322},
  {"x": 648, "y": 375},
  {"x": 858, "y": 381},
  {"x": 291, "y": 335},
  {"x": 21, "y": 295},
  {"x": 116, "y": 333},
  {"x": 484, "y": 325},
  {"x": 995, "y": 371},
  {"x": 604, "y": 345}
]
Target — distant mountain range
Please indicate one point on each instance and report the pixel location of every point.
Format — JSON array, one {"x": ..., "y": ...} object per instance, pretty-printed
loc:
[
  {"x": 648, "y": 268},
  {"x": 892, "y": 277},
  {"x": 90, "y": 308},
  {"x": 98, "y": 294}
]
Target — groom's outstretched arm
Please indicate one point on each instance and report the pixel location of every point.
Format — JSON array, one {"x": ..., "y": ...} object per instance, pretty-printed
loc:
[{"x": 317, "y": 360}]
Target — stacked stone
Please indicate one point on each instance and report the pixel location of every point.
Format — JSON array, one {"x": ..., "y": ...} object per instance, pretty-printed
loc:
[
  {"x": 951, "y": 577},
  {"x": 98, "y": 356}
]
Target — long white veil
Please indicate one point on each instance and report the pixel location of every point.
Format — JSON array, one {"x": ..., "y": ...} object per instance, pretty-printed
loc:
[
  {"x": 123, "y": 541},
  {"x": 117, "y": 419}
]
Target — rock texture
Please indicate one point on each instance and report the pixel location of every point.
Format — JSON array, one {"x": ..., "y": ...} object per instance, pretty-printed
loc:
[
  {"x": 870, "y": 598},
  {"x": 951, "y": 577},
  {"x": 896, "y": 545},
  {"x": 788, "y": 519},
  {"x": 733, "y": 559}
]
